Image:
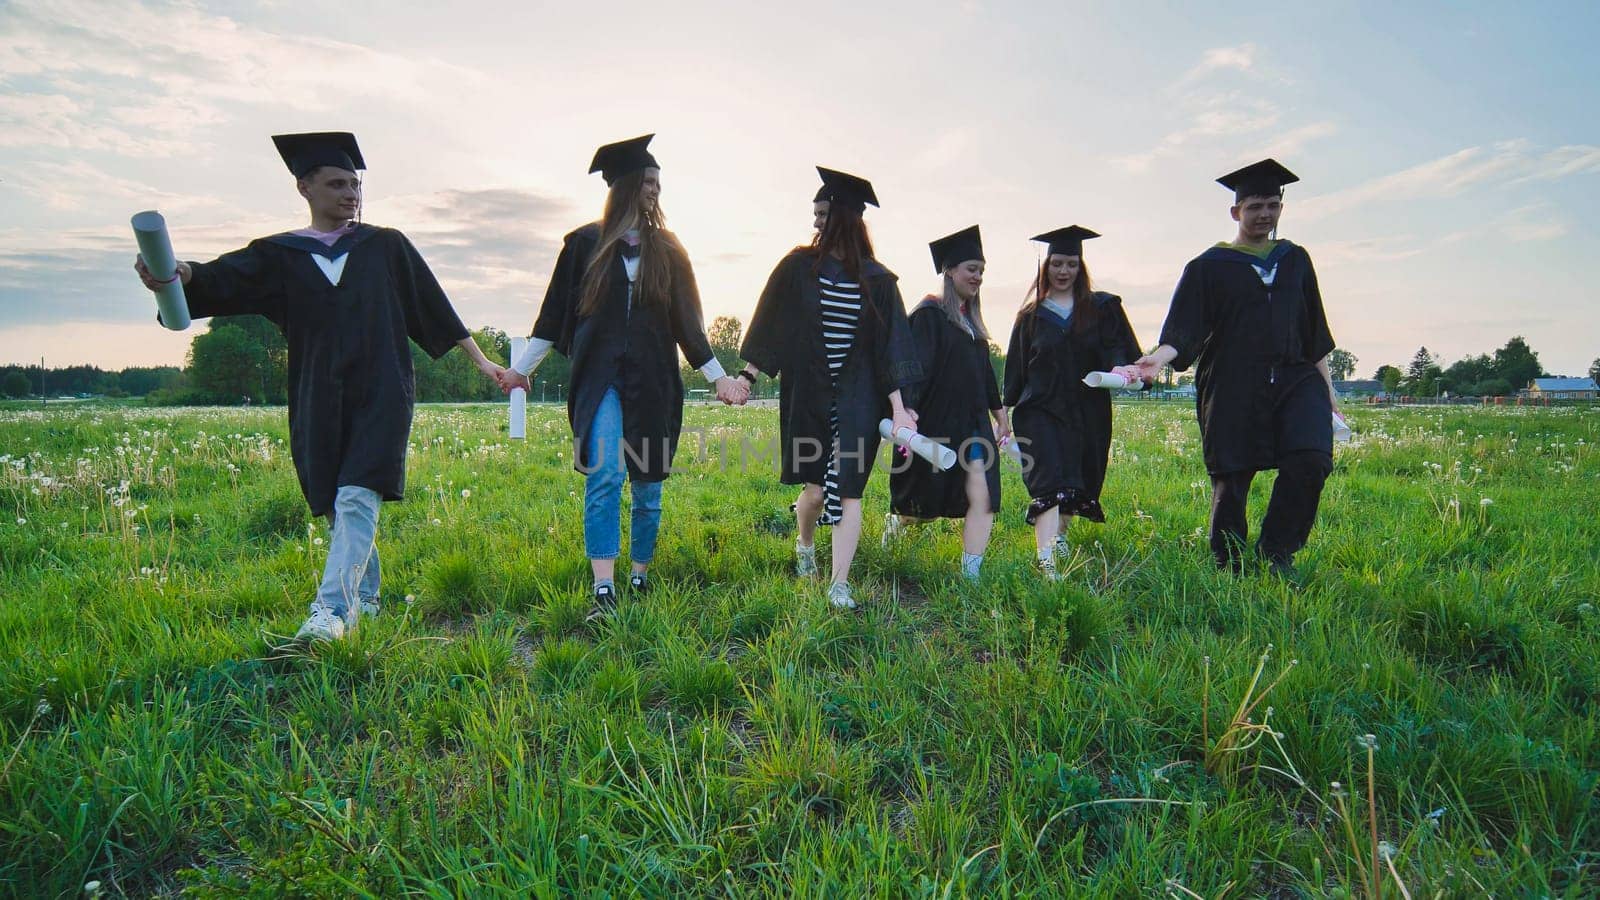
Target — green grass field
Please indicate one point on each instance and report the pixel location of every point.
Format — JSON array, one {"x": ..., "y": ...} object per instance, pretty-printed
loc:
[{"x": 1148, "y": 727}]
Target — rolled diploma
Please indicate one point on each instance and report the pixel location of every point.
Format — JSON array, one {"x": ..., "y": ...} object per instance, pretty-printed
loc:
[
  {"x": 1105, "y": 380},
  {"x": 518, "y": 396},
  {"x": 929, "y": 449},
  {"x": 150, "y": 230},
  {"x": 1341, "y": 429}
]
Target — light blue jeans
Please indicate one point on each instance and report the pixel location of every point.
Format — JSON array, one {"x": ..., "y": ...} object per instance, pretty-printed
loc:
[
  {"x": 351, "y": 573},
  {"x": 602, "y": 492}
]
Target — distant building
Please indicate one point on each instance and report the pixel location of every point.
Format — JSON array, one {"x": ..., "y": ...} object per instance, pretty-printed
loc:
[
  {"x": 1363, "y": 388},
  {"x": 1563, "y": 389}
]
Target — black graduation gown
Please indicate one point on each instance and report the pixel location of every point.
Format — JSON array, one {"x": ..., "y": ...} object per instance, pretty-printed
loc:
[
  {"x": 1062, "y": 423},
  {"x": 1255, "y": 344},
  {"x": 351, "y": 389},
  {"x": 952, "y": 403},
  {"x": 785, "y": 341},
  {"x": 634, "y": 349}
]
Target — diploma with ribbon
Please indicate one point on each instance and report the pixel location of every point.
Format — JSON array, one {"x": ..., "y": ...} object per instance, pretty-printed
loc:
[
  {"x": 939, "y": 455},
  {"x": 519, "y": 397},
  {"x": 155, "y": 247}
]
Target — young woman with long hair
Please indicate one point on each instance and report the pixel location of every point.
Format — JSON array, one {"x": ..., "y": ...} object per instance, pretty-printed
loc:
[
  {"x": 1065, "y": 330},
  {"x": 621, "y": 302},
  {"x": 831, "y": 327},
  {"x": 954, "y": 405}
]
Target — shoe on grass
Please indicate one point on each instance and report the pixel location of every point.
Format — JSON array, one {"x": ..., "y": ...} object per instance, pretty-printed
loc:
[
  {"x": 893, "y": 530},
  {"x": 638, "y": 583},
  {"x": 839, "y": 596},
  {"x": 605, "y": 603},
  {"x": 1047, "y": 568},
  {"x": 370, "y": 606},
  {"x": 322, "y": 625},
  {"x": 805, "y": 561}
]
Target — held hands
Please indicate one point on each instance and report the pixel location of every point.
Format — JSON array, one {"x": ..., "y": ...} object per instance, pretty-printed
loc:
[
  {"x": 1132, "y": 373},
  {"x": 732, "y": 391},
  {"x": 1145, "y": 367},
  {"x": 509, "y": 379},
  {"x": 150, "y": 281}
]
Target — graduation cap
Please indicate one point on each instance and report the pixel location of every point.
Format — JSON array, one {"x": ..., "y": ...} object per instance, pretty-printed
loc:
[
  {"x": 622, "y": 158},
  {"x": 311, "y": 150},
  {"x": 957, "y": 248},
  {"x": 845, "y": 189},
  {"x": 1067, "y": 241},
  {"x": 1263, "y": 179}
]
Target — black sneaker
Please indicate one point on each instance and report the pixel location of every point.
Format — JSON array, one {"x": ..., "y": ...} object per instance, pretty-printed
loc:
[
  {"x": 638, "y": 583},
  {"x": 605, "y": 603}
]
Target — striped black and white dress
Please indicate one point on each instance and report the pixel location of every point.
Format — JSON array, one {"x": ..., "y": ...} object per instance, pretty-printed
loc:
[{"x": 841, "y": 313}]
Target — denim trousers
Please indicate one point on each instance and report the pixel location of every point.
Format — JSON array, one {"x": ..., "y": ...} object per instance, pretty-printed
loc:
[
  {"x": 602, "y": 492},
  {"x": 351, "y": 572}
]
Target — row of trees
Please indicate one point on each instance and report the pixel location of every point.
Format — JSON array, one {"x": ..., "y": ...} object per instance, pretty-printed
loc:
[
  {"x": 1507, "y": 371},
  {"x": 244, "y": 359}
]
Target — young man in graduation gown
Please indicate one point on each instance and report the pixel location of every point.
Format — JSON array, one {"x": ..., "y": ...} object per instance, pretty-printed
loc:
[
  {"x": 1249, "y": 316},
  {"x": 348, "y": 297}
]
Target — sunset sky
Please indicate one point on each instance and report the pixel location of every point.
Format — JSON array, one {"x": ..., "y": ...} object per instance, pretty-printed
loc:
[{"x": 1450, "y": 153}]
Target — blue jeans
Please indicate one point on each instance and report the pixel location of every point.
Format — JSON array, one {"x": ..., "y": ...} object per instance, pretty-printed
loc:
[
  {"x": 351, "y": 573},
  {"x": 602, "y": 492}
]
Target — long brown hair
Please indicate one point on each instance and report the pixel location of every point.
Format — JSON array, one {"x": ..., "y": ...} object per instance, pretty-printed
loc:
[
  {"x": 1085, "y": 315},
  {"x": 660, "y": 254},
  {"x": 845, "y": 233}
]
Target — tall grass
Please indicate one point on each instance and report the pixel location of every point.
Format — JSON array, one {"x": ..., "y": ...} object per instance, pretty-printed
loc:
[{"x": 1136, "y": 730}]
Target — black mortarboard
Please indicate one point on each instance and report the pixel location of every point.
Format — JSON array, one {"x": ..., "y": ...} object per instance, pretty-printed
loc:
[
  {"x": 957, "y": 248},
  {"x": 849, "y": 190},
  {"x": 304, "y": 152},
  {"x": 616, "y": 160},
  {"x": 1262, "y": 179},
  {"x": 1067, "y": 241}
]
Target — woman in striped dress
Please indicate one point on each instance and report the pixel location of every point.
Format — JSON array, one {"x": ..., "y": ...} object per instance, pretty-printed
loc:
[{"x": 831, "y": 327}]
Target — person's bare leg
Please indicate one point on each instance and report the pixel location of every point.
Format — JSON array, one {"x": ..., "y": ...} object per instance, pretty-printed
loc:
[
  {"x": 806, "y": 510},
  {"x": 975, "y": 529},
  {"x": 846, "y": 535},
  {"x": 1045, "y": 529}
]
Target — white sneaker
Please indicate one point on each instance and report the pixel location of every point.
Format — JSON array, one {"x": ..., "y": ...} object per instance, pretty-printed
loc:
[
  {"x": 1062, "y": 550},
  {"x": 805, "y": 561},
  {"x": 839, "y": 596},
  {"x": 370, "y": 606},
  {"x": 1047, "y": 568},
  {"x": 892, "y": 530},
  {"x": 322, "y": 625}
]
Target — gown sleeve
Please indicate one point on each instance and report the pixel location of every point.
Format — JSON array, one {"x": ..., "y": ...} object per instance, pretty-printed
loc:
[
  {"x": 1315, "y": 336},
  {"x": 925, "y": 328},
  {"x": 1188, "y": 324},
  {"x": 240, "y": 283},
  {"x": 897, "y": 365},
  {"x": 1016, "y": 362},
  {"x": 557, "y": 315},
  {"x": 763, "y": 341},
  {"x": 688, "y": 320},
  {"x": 430, "y": 319},
  {"x": 991, "y": 386}
]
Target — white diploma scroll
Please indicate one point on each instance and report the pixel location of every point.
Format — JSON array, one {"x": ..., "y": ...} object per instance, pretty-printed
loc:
[
  {"x": 929, "y": 449},
  {"x": 1341, "y": 430},
  {"x": 518, "y": 397},
  {"x": 1109, "y": 380},
  {"x": 150, "y": 230}
]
